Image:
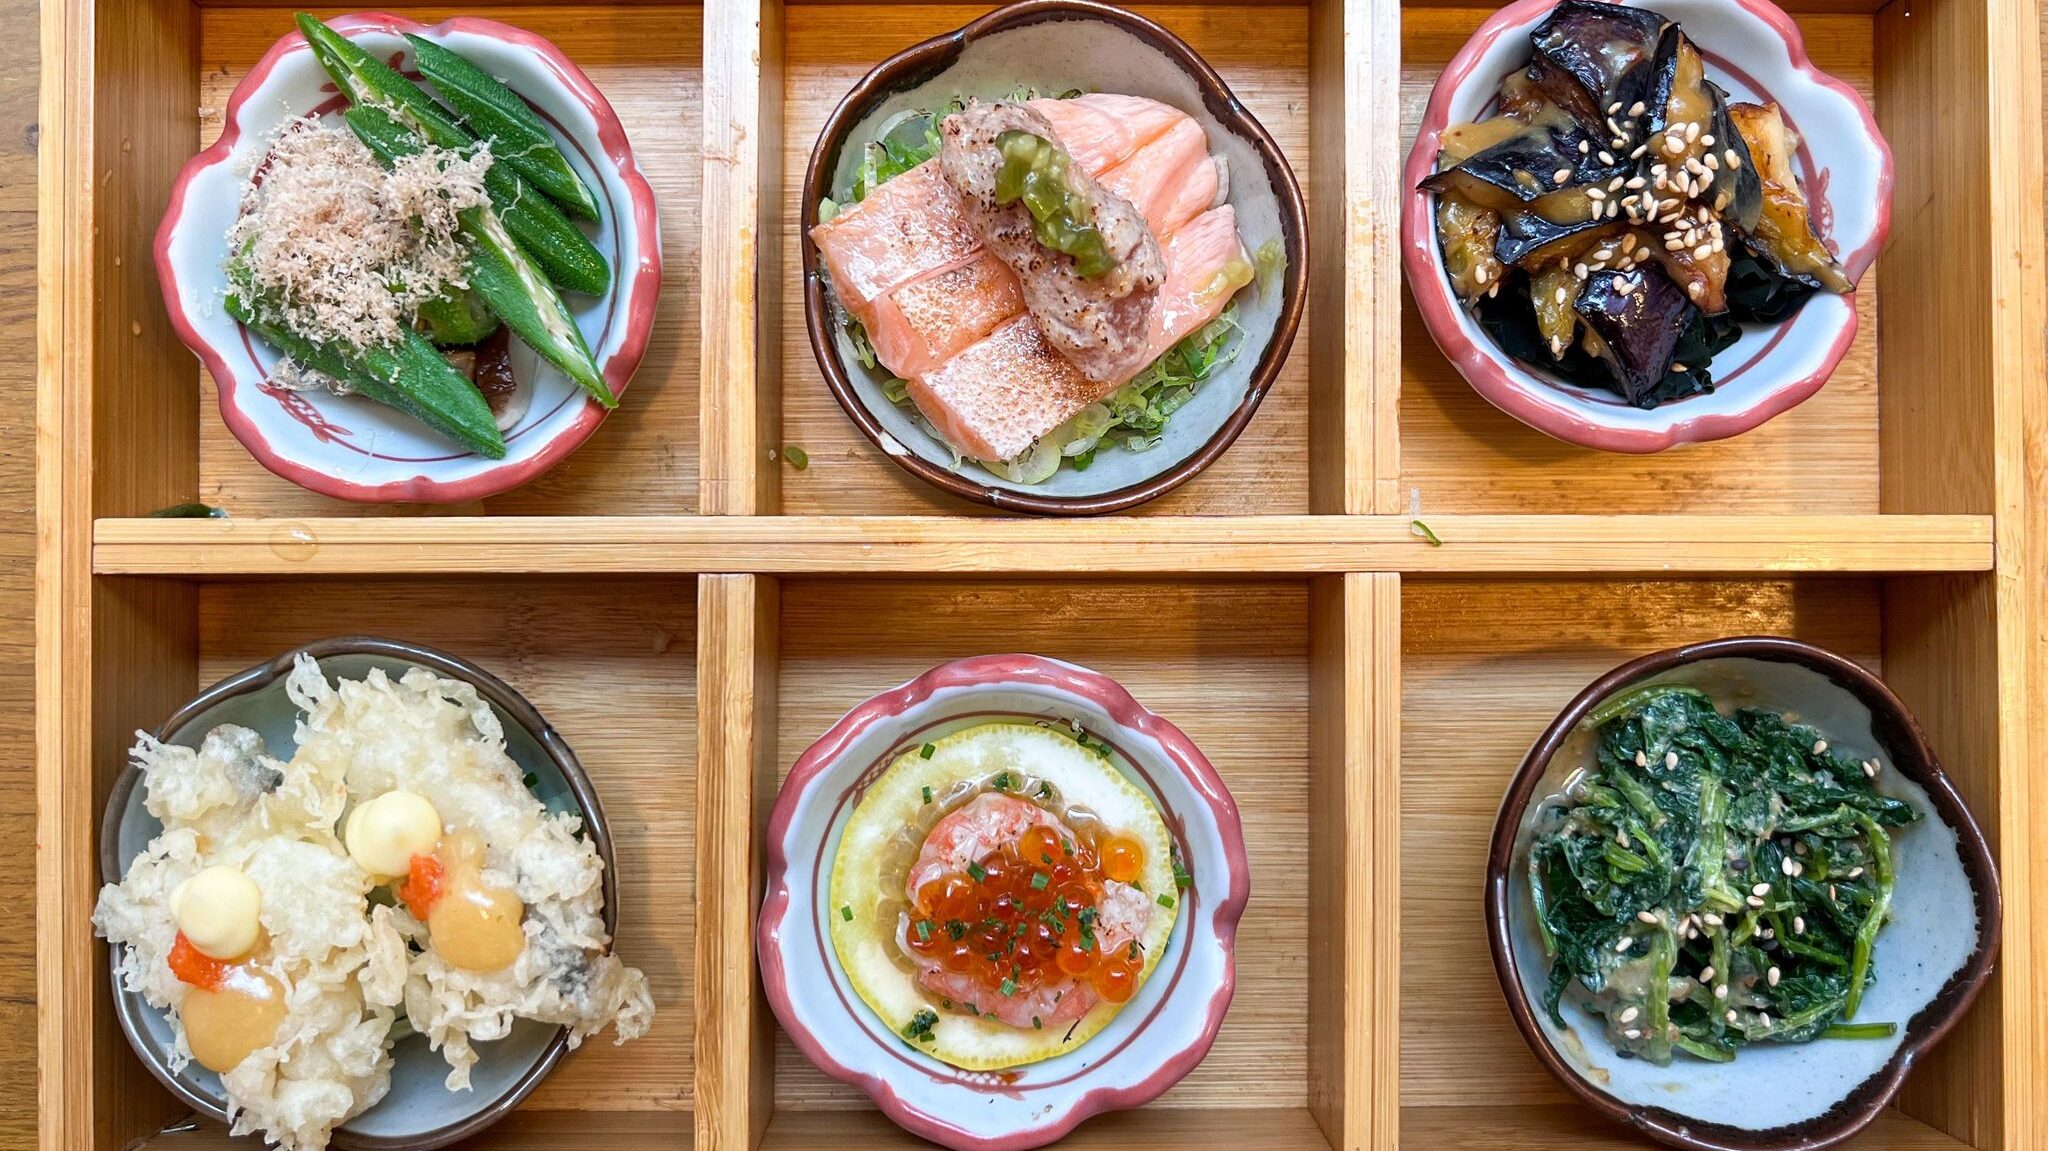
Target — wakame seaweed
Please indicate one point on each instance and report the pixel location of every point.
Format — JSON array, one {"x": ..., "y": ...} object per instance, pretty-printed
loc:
[{"x": 1713, "y": 880}]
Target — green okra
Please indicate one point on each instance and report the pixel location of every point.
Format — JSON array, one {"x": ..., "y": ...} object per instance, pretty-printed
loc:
[{"x": 498, "y": 114}]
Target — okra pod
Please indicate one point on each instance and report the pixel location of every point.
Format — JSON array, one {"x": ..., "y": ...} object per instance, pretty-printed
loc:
[
  {"x": 564, "y": 253},
  {"x": 410, "y": 376},
  {"x": 501, "y": 273},
  {"x": 495, "y": 112},
  {"x": 457, "y": 317}
]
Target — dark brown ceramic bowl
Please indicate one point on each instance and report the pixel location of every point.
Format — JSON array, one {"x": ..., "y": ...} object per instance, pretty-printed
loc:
[
  {"x": 1929, "y": 972},
  {"x": 1262, "y": 188},
  {"x": 418, "y": 1114}
]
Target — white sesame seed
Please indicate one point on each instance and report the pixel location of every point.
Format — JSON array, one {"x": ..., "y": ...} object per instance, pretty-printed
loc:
[
  {"x": 1696, "y": 289},
  {"x": 1820, "y": 747},
  {"x": 1755, "y": 901},
  {"x": 1614, "y": 109},
  {"x": 1760, "y": 889},
  {"x": 1613, "y": 209},
  {"x": 1692, "y": 131},
  {"x": 1606, "y": 157},
  {"x": 1620, "y": 833},
  {"x": 1635, "y": 182},
  {"x": 1579, "y": 270},
  {"x": 1612, "y": 126},
  {"x": 1854, "y": 872},
  {"x": 1730, "y": 1016},
  {"x": 1707, "y": 974},
  {"x": 1493, "y": 291},
  {"x": 1642, "y": 760},
  {"x": 1785, "y": 865},
  {"x": 1706, "y": 139},
  {"x": 1765, "y": 933},
  {"x": 1595, "y": 194},
  {"x": 1798, "y": 925},
  {"x": 1585, "y": 147},
  {"x": 1622, "y": 944},
  {"x": 1734, "y": 159},
  {"x": 1647, "y": 916},
  {"x": 1670, "y": 759},
  {"x": 1771, "y": 977},
  {"x": 1720, "y": 991},
  {"x": 1636, "y": 109},
  {"x": 1799, "y": 847},
  {"x": 1628, "y": 1014},
  {"x": 1561, "y": 294},
  {"x": 1713, "y": 162},
  {"x": 1870, "y": 767},
  {"x": 1673, "y": 144},
  {"x": 1562, "y": 175},
  {"x": 1703, "y": 251},
  {"x": 1632, "y": 1033},
  {"x": 1832, "y": 897},
  {"x": 1712, "y": 919}
]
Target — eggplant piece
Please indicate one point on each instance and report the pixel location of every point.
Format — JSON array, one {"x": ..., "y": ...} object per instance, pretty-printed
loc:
[
  {"x": 1466, "y": 232},
  {"x": 1590, "y": 57},
  {"x": 1682, "y": 96},
  {"x": 1784, "y": 234},
  {"x": 1551, "y": 293},
  {"x": 1528, "y": 240},
  {"x": 1634, "y": 321},
  {"x": 1523, "y": 163},
  {"x": 1739, "y": 192}
]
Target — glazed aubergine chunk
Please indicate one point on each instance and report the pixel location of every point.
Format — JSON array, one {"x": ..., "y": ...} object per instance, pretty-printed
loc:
[
  {"x": 1636, "y": 319},
  {"x": 1590, "y": 57},
  {"x": 1783, "y": 233},
  {"x": 1616, "y": 160}
]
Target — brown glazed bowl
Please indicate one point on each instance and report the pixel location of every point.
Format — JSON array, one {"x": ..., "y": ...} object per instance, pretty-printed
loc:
[
  {"x": 418, "y": 1113},
  {"x": 1933, "y": 958},
  {"x": 1053, "y": 45}
]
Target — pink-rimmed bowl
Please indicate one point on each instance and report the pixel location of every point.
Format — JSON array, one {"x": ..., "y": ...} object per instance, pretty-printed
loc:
[
  {"x": 1754, "y": 51},
  {"x": 1159, "y": 1036},
  {"x": 349, "y": 447}
]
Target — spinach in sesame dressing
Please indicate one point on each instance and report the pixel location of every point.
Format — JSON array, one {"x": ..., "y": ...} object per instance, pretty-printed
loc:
[{"x": 1713, "y": 880}]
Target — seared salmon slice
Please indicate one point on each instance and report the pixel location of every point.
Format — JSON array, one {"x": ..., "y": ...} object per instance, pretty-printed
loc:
[
  {"x": 1171, "y": 180},
  {"x": 928, "y": 321},
  {"x": 908, "y": 227},
  {"x": 1205, "y": 265},
  {"x": 1103, "y": 129},
  {"x": 995, "y": 399}
]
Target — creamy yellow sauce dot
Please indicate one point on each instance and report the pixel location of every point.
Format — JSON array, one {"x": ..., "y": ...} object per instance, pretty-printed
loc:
[
  {"x": 219, "y": 910},
  {"x": 383, "y": 834},
  {"x": 472, "y": 925},
  {"x": 223, "y": 1026}
]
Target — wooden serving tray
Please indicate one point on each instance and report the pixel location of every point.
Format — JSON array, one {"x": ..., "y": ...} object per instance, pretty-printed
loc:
[{"x": 691, "y": 611}]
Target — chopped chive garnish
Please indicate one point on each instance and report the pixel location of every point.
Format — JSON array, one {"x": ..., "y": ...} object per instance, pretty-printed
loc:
[
  {"x": 1045, "y": 791},
  {"x": 1003, "y": 782},
  {"x": 927, "y": 750},
  {"x": 955, "y": 928},
  {"x": 1036, "y": 1024},
  {"x": 1009, "y": 987},
  {"x": 924, "y": 930},
  {"x": 1165, "y": 900},
  {"x": 975, "y": 870},
  {"x": 927, "y": 791},
  {"x": 1039, "y": 879},
  {"x": 1423, "y": 530},
  {"x": 846, "y": 912}
]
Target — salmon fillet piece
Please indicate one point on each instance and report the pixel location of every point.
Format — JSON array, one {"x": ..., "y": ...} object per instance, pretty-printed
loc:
[
  {"x": 1171, "y": 180},
  {"x": 908, "y": 227},
  {"x": 1006, "y": 390},
  {"x": 1199, "y": 283},
  {"x": 928, "y": 321},
  {"x": 1103, "y": 129}
]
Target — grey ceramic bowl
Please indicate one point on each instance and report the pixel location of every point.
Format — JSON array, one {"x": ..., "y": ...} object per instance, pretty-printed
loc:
[
  {"x": 419, "y": 1113},
  {"x": 1053, "y": 45},
  {"x": 1933, "y": 958}
]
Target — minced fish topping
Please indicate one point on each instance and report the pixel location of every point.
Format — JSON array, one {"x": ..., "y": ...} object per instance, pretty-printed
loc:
[{"x": 341, "y": 250}]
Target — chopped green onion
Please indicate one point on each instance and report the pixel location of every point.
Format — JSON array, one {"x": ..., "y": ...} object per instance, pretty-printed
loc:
[{"x": 846, "y": 912}]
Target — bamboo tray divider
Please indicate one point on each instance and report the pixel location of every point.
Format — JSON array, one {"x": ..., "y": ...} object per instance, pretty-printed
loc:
[{"x": 691, "y": 611}]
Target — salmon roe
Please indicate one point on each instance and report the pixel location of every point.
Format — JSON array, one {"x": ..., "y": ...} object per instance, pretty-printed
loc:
[
  {"x": 1024, "y": 917},
  {"x": 195, "y": 967},
  {"x": 423, "y": 885}
]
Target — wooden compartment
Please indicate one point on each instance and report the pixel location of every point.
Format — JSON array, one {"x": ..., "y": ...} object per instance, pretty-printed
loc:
[
  {"x": 176, "y": 66},
  {"x": 1487, "y": 665},
  {"x": 1227, "y": 662},
  {"x": 815, "y": 56},
  {"x": 611, "y": 664},
  {"x": 1921, "y": 341}
]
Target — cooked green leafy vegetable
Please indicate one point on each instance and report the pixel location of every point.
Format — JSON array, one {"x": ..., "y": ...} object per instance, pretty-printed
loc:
[{"x": 1713, "y": 880}]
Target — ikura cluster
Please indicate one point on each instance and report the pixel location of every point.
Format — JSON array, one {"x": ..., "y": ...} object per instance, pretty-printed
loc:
[{"x": 1026, "y": 917}]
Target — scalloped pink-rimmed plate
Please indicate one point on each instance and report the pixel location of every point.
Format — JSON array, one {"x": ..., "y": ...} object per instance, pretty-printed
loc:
[
  {"x": 1754, "y": 50},
  {"x": 349, "y": 447},
  {"x": 1159, "y": 1036}
]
